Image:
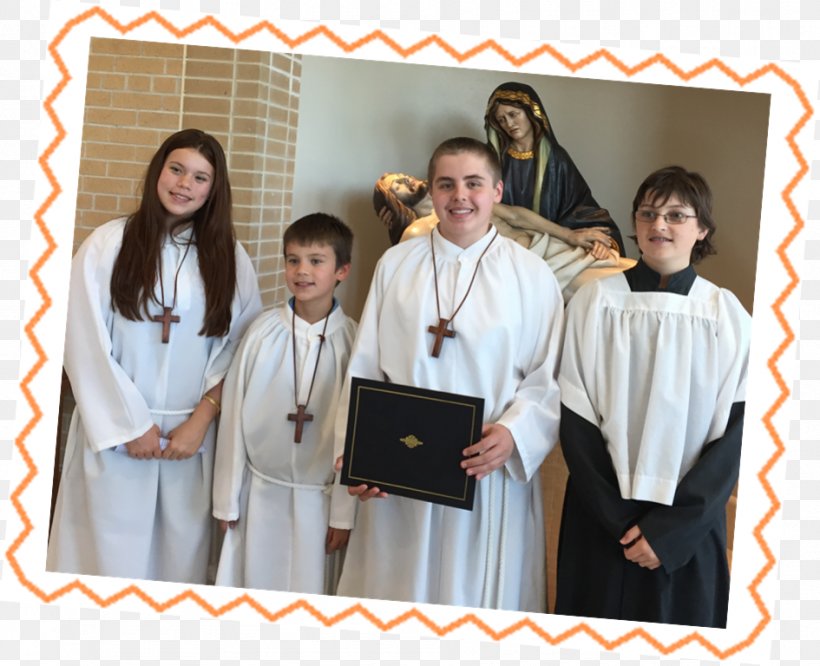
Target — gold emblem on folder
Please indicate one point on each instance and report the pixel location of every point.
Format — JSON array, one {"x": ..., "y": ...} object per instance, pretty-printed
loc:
[{"x": 411, "y": 441}]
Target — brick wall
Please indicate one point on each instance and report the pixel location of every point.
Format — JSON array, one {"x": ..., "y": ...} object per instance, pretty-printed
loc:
[{"x": 140, "y": 92}]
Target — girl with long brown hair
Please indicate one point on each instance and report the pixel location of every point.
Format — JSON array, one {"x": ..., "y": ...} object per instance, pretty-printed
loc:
[{"x": 157, "y": 304}]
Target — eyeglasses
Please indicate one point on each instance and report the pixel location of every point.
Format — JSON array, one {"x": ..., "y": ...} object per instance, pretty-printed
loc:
[{"x": 675, "y": 217}]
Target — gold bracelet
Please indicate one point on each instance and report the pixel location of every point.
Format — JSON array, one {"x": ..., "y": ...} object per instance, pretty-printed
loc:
[{"x": 214, "y": 402}]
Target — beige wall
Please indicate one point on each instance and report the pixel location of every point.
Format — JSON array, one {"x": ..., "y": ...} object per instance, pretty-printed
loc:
[
  {"x": 140, "y": 92},
  {"x": 359, "y": 119}
]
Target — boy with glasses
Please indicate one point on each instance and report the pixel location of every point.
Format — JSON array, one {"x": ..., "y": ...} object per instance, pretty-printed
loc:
[{"x": 653, "y": 383}]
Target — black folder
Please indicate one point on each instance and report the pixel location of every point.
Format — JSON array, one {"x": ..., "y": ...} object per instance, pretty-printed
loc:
[{"x": 408, "y": 441}]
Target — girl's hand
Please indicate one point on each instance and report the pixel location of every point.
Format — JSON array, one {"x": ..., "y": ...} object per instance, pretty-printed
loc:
[
  {"x": 492, "y": 451},
  {"x": 184, "y": 440},
  {"x": 638, "y": 550},
  {"x": 145, "y": 446}
]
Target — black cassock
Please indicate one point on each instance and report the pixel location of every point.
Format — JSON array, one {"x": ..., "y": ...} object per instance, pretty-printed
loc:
[{"x": 689, "y": 537}]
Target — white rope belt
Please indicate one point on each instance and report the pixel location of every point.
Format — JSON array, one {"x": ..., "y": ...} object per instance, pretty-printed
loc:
[
  {"x": 502, "y": 546},
  {"x": 325, "y": 488},
  {"x": 492, "y": 592},
  {"x": 163, "y": 441},
  {"x": 488, "y": 553}
]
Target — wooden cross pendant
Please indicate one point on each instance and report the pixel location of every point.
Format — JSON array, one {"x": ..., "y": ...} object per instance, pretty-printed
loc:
[
  {"x": 441, "y": 331},
  {"x": 166, "y": 319},
  {"x": 300, "y": 417}
]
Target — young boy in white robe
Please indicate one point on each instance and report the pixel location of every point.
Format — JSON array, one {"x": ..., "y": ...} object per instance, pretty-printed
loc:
[
  {"x": 157, "y": 304},
  {"x": 273, "y": 482},
  {"x": 653, "y": 381},
  {"x": 505, "y": 308}
]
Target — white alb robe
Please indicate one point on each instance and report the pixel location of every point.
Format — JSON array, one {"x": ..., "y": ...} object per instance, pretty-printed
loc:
[
  {"x": 116, "y": 515},
  {"x": 684, "y": 359},
  {"x": 280, "y": 491},
  {"x": 506, "y": 349}
]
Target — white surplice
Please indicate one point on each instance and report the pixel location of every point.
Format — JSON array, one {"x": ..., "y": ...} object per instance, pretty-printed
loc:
[
  {"x": 116, "y": 515},
  {"x": 280, "y": 491},
  {"x": 684, "y": 360},
  {"x": 506, "y": 350}
]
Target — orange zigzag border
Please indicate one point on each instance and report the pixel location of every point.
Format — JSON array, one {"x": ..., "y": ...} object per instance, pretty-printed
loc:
[{"x": 413, "y": 614}]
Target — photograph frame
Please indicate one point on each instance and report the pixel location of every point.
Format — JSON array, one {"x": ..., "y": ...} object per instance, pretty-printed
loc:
[{"x": 63, "y": 148}]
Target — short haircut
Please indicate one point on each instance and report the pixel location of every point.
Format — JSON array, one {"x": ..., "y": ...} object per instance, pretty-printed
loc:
[
  {"x": 693, "y": 190},
  {"x": 464, "y": 144},
  {"x": 323, "y": 229}
]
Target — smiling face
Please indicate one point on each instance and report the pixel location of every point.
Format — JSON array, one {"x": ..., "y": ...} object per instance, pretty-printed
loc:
[
  {"x": 463, "y": 195},
  {"x": 184, "y": 183},
  {"x": 515, "y": 123},
  {"x": 311, "y": 275},
  {"x": 667, "y": 248}
]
